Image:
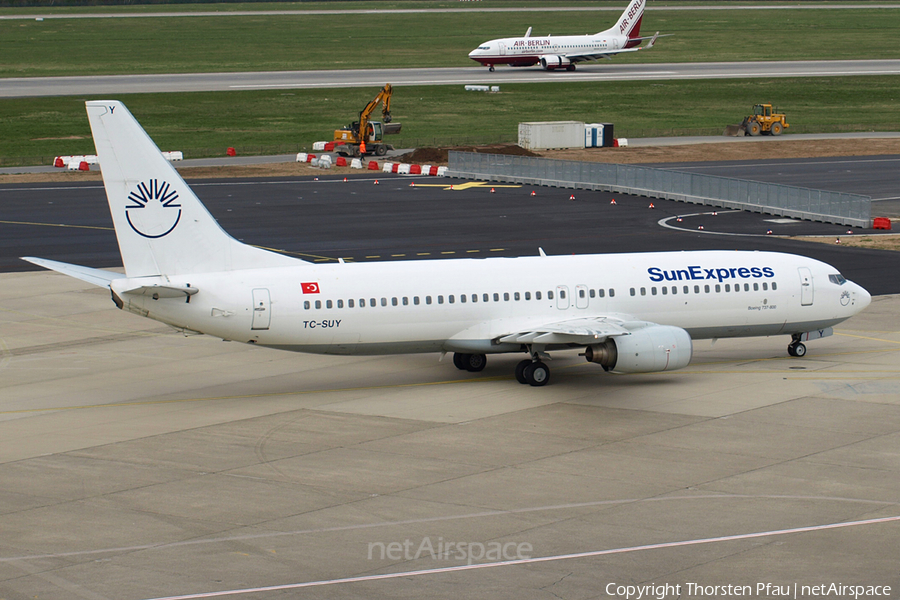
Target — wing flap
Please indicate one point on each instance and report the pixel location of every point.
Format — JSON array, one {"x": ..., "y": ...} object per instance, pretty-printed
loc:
[{"x": 583, "y": 331}]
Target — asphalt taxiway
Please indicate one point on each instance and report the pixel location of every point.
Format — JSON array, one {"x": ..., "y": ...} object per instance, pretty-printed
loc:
[{"x": 136, "y": 463}]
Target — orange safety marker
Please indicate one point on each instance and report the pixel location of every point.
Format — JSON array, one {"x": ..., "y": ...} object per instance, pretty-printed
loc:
[
  {"x": 376, "y": 182},
  {"x": 613, "y": 201},
  {"x": 493, "y": 190},
  {"x": 651, "y": 205},
  {"x": 345, "y": 179},
  {"x": 572, "y": 197},
  {"x": 533, "y": 193},
  {"x": 701, "y": 227},
  {"x": 715, "y": 214},
  {"x": 837, "y": 241},
  {"x": 679, "y": 219},
  {"x": 412, "y": 184},
  {"x": 768, "y": 232}
]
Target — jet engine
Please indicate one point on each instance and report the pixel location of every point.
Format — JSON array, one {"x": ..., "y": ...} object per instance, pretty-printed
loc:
[
  {"x": 646, "y": 350},
  {"x": 553, "y": 61}
]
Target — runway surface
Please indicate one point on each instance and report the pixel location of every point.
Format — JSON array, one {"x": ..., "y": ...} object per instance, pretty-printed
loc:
[
  {"x": 356, "y": 220},
  {"x": 93, "y": 86},
  {"x": 136, "y": 463},
  {"x": 139, "y": 464}
]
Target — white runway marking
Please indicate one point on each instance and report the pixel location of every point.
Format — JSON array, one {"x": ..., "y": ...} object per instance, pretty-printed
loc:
[{"x": 528, "y": 561}]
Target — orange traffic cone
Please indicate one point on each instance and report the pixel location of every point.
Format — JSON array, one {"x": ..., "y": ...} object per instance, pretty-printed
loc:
[
  {"x": 376, "y": 182},
  {"x": 493, "y": 190},
  {"x": 651, "y": 205},
  {"x": 613, "y": 201},
  {"x": 533, "y": 193}
]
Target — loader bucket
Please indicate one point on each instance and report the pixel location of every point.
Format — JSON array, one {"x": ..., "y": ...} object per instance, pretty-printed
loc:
[{"x": 734, "y": 130}]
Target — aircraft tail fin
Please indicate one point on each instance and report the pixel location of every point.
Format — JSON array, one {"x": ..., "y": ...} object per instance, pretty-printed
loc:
[
  {"x": 161, "y": 225},
  {"x": 629, "y": 24}
]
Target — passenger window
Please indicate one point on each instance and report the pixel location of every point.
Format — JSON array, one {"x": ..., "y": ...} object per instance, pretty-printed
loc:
[
  {"x": 706, "y": 288},
  {"x": 416, "y": 300},
  {"x": 506, "y": 296},
  {"x": 674, "y": 289},
  {"x": 306, "y": 304},
  {"x": 340, "y": 304},
  {"x": 440, "y": 299},
  {"x": 612, "y": 292},
  {"x": 581, "y": 293},
  {"x": 774, "y": 286},
  {"x": 755, "y": 287},
  {"x": 727, "y": 287},
  {"x": 451, "y": 299},
  {"x": 350, "y": 303},
  {"x": 318, "y": 304},
  {"x": 601, "y": 293},
  {"x": 562, "y": 294},
  {"x": 496, "y": 297},
  {"x": 746, "y": 287},
  {"x": 486, "y": 298},
  {"x": 593, "y": 293},
  {"x": 643, "y": 291},
  {"x": 537, "y": 295},
  {"x": 372, "y": 302},
  {"x": 328, "y": 304},
  {"x": 405, "y": 301},
  {"x": 474, "y": 297},
  {"x": 517, "y": 296},
  {"x": 550, "y": 295},
  {"x": 462, "y": 298},
  {"x": 696, "y": 289},
  {"x": 384, "y": 301},
  {"x": 687, "y": 291},
  {"x": 528, "y": 295},
  {"x": 427, "y": 299},
  {"x": 718, "y": 288},
  {"x": 665, "y": 290},
  {"x": 765, "y": 286},
  {"x": 632, "y": 291}
]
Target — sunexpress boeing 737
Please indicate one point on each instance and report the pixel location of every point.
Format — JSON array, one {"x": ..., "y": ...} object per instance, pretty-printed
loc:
[
  {"x": 563, "y": 51},
  {"x": 629, "y": 313}
]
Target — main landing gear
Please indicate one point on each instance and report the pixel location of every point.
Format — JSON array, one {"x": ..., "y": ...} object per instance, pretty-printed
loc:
[
  {"x": 796, "y": 347},
  {"x": 531, "y": 370},
  {"x": 491, "y": 68}
]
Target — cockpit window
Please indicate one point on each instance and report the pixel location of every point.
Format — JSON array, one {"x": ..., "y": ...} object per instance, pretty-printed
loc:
[
  {"x": 838, "y": 279},
  {"x": 484, "y": 47}
]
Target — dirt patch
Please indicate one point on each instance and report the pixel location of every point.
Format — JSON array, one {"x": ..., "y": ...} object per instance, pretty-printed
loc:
[
  {"x": 889, "y": 241},
  {"x": 439, "y": 156}
]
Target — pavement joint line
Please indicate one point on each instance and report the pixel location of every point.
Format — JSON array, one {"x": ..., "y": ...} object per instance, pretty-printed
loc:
[
  {"x": 474, "y": 515},
  {"x": 863, "y": 337},
  {"x": 535, "y": 560},
  {"x": 58, "y": 225}
]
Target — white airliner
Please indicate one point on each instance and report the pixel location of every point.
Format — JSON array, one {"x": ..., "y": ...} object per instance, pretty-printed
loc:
[
  {"x": 627, "y": 312},
  {"x": 562, "y": 52}
]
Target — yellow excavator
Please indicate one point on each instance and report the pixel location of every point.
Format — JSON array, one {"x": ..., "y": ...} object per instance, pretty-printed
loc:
[{"x": 364, "y": 136}]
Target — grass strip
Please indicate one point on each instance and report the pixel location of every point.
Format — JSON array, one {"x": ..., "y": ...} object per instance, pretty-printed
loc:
[{"x": 33, "y": 131}]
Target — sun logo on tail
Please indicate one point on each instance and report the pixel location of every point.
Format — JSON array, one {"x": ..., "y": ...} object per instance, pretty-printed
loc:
[{"x": 152, "y": 211}]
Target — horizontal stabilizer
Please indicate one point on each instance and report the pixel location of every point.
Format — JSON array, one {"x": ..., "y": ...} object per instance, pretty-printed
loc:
[
  {"x": 97, "y": 277},
  {"x": 161, "y": 291}
]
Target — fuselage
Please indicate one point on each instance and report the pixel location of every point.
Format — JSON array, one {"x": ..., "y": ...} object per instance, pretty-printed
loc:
[
  {"x": 523, "y": 52},
  {"x": 467, "y": 305}
]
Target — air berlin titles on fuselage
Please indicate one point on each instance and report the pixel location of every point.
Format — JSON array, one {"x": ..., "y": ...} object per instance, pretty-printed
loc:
[{"x": 626, "y": 23}]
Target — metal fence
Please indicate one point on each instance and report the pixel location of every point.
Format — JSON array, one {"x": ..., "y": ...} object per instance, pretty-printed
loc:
[{"x": 723, "y": 192}]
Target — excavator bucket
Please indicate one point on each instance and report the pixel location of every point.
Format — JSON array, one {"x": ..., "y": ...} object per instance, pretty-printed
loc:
[{"x": 392, "y": 128}]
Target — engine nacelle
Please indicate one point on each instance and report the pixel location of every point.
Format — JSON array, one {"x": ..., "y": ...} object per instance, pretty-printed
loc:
[
  {"x": 553, "y": 61},
  {"x": 646, "y": 350}
]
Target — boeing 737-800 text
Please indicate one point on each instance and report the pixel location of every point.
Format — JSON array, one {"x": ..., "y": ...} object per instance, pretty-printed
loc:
[
  {"x": 627, "y": 312},
  {"x": 562, "y": 52}
]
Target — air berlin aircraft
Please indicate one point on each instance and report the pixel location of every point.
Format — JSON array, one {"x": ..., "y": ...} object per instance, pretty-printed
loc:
[
  {"x": 562, "y": 52},
  {"x": 629, "y": 313}
]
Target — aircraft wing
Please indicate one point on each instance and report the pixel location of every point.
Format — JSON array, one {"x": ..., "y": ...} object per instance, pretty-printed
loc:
[
  {"x": 584, "y": 331},
  {"x": 97, "y": 277},
  {"x": 611, "y": 53}
]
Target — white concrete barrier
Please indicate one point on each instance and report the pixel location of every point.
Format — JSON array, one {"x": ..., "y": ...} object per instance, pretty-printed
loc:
[
  {"x": 622, "y": 142},
  {"x": 442, "y": 171},
  {"x": 387, "y": 167},
  {"x": 319, "y": 146},
  {"x": 356, "y": 164},
  {"x": 173, "y": 156},
  {"x": 403, "y": 169},
  {"x": 301, "y": 156}
]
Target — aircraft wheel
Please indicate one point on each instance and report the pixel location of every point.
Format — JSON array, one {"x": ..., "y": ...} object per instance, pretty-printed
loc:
[
  {"x": 491, "y": 68},
  {"x": 475, "y": 362},
  {"x": 797, "y": 349},
  {"x": 537, "y": 374},
  {"x": 520, "y": 370},
  {"x": 461, "y": 361},
  {"x": 776, "y": 129},
  {"x": 570, "y": 67}
]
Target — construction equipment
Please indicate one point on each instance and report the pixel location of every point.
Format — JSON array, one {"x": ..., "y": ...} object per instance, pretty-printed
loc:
[
  {"x": 764, "y": 120},
  {"x": 364, "y": 136}
]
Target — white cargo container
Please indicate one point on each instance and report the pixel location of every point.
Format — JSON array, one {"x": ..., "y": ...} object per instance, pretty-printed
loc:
[{"x": 551, "y": 134}]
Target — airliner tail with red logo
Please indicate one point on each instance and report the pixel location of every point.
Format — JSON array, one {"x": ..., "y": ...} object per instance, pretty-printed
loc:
[{"x": 563, "y": 52}]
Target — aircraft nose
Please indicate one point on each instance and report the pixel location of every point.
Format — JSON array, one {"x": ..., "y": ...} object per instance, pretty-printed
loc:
[{"x": 863, "y": 297}]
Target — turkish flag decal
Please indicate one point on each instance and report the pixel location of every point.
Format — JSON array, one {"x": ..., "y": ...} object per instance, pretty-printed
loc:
[{"x": 310, "y": 288}]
